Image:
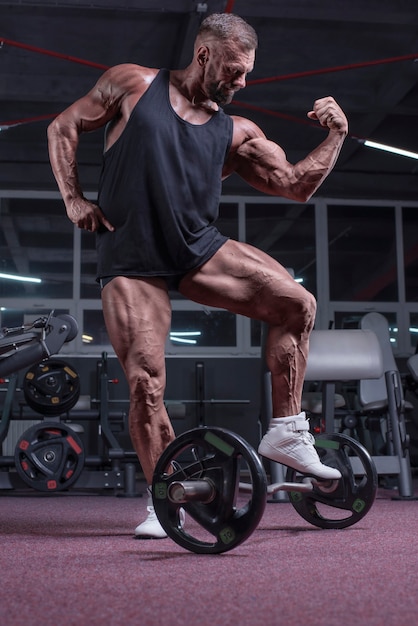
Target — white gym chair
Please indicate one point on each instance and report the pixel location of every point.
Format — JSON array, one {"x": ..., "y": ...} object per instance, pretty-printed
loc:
[{"x": 383, "y": 397}]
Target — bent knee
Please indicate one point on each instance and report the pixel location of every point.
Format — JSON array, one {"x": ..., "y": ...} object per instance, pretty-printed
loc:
[
  {"x": 304, "y": 310},
  {"x": 296, "y": 311},
  {"x": 308, "y": 307},
  {"x": 147, "y": 388}
]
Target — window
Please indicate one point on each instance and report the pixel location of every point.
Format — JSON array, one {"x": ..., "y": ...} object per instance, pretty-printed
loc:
[
  {"x": 353, "y": 256},
  {"x": 410, "y": 247},
  {"x": 89, "y": 287},
  {"x": 287, "y": 233},
  {"x": 207, "y": 327},
  {"x": 352, "y": 319},
  {"x": 413, "y": 331},
  {"x": 36, "y": 243},
  {"x": 362, "y": 253},
  {"x": 94, "y": 329}
]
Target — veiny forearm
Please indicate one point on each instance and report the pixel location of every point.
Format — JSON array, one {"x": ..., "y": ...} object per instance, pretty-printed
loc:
[
  {"x": 62, "y": 145},
  {"x": 310, "y": 173}
]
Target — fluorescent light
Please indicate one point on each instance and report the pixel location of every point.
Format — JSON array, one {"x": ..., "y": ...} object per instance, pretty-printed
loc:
[
  {"x": 179, "y": 336},
  {"x": 180, "y": 340},
  {"x": 298, "y": 280},
  {"x": 24, "y": 279},
  {"x": 399, "y": 151}
]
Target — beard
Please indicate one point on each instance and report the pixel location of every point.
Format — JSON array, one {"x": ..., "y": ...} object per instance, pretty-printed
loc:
[{"x": 220, "y": 95}]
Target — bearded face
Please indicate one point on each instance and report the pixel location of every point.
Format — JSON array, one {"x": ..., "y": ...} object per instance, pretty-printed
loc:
[{"x": 226, "y": 72}]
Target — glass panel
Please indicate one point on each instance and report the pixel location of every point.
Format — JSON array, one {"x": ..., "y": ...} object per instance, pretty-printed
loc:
[
  {"x": 203, "y": 328},
  {"x": 94, "y": 329},
  {"x": 362, "y": 253},
  {"x": 188, "y": 329},
  {"x": 227, "y": 222},
  {"x": 287, "y": 233},
  {"x": 410, "y": 229},
  {"x": 351, "y": 319},
  {"x": 255, "y": 333},
  {"x": 36, "y": 242},
  {"x": 89, "y": 288},
  {"x": 413, "y": 331}
]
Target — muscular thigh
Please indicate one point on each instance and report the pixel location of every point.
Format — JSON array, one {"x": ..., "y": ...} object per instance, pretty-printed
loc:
[
  {"x": 137, "y": 314},
  {"x": 244, "y": 280}
]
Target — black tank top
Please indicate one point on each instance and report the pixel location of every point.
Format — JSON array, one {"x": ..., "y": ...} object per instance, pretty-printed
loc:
[{"x": 160, "y": 187}]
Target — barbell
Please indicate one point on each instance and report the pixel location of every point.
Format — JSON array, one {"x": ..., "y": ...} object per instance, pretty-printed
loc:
[{"x": 218, "y": 479}]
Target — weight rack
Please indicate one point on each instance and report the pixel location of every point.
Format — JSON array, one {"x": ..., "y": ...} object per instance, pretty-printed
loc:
[{"x": 112, "y": 468}]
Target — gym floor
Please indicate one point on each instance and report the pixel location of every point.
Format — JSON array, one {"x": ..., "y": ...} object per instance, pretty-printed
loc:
[{"x": 71, "y": 559}]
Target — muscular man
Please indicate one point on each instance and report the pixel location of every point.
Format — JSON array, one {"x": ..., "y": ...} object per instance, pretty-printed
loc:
[{"x": 169, "y": 144}]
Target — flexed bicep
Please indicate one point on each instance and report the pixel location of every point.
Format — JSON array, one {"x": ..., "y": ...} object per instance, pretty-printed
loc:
[{"x": 262, "y": 163}]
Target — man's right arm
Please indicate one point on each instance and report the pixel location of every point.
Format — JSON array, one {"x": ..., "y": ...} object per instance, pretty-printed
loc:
[
  {"x": 87, "y": 113},
  {"x": 104, "y": 102}
]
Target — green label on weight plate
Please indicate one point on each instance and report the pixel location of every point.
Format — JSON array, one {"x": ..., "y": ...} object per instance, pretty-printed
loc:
[{"x": 219, "y": 443}]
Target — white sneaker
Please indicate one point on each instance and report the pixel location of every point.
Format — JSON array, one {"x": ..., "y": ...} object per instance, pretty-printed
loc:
[
  {"x": 151, "y": 527},
  {"x": 291, "y": 444}
]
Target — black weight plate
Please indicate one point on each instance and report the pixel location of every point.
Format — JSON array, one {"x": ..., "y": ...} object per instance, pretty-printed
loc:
[
  {"x": 49, "y": 457},
  {"x": 51, "y": 387},
  {"x": 338, "y": 504},
  {"x": 218, "y": 456}
]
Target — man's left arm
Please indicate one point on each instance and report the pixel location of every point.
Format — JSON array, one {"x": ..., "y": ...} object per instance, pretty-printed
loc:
[{"x": 263, "y": 163}]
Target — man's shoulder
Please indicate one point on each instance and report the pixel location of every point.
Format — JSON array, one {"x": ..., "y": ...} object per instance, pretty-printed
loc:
[
  {"x": 244, "y": 130},
  {"x": 132, "y": 71},
  {"x": 122, "y": 85},
  {"x": 126, "y": 82}
]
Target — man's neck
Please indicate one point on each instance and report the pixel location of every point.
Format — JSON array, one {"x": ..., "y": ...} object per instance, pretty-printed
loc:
[{"x": 188, "y": 86}]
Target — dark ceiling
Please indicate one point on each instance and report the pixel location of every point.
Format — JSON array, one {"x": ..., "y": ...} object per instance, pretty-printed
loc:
[{"x": 53, "y": 52}]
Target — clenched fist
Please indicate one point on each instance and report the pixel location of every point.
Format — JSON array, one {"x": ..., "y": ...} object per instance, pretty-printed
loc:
[{"x": 329, "y": 114}]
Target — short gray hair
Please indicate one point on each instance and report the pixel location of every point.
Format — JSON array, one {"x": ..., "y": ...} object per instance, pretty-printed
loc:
[{"x": 229, "y": 27}]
